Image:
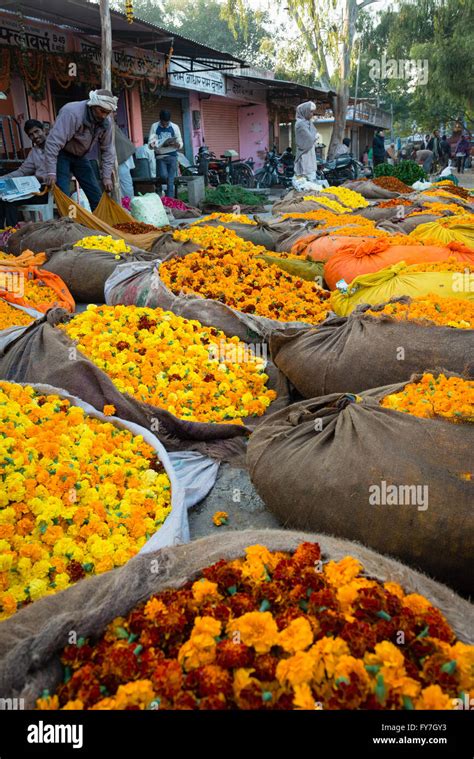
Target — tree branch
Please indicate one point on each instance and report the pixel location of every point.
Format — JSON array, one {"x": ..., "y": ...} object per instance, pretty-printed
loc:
[
  {"x": 315, "y": 46},
  {"x": 366, "y": 2}
]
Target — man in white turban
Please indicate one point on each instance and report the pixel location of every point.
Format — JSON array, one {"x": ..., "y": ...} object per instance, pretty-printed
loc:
[
  {"x": 306, "y": 137},
  {"x": 78, "y": 127}
]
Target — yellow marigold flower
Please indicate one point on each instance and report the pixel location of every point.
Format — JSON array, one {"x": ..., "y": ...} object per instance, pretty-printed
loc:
[
  {"x": 303, "y": 698},
  {"x": 296, "y": 670},
  {"x": 103, "y": 242},
  {"x": 395, "y": 589},
  {"x": 464, "y": 655},
  {"x": 386, "y": 655},
  {"x": 13, "y": 317},
  {"x": 451, "y": 398},
  {"x": 242, "y": 679},
  {"x": 48, "y": 703},
  {"x": 257, "y": 629},
  {"x": 203, "y": 589},
  {"x": 153, "y": 607},
  {"x": 220, "y": 517},
  {"x": 342, "y": 572},
  {"x": 74, "y": 705},
  {"x": 433, "y": 697},
  {"x": 297, "y": 636},
  {"x": 347, "y": 594},
  {"x": 416, "y": 603},
  {"x": 200, "y": 649},
  {"x": 347, "y": 665},
  {"x": 109, "y": 410},
  {"x": 325, "y": 654}
]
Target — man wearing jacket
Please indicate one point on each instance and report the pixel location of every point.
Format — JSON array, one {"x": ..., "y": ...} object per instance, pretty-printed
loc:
[
  {"x": 165, "y": 138},
  {"x": 378, "y": 146},
  {"x": 78, "y": 127},
  {"x": 32, "y": 166}
]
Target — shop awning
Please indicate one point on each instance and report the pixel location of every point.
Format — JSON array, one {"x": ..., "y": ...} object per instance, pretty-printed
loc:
[
  {"x": 284, "y": 90},
  {"x": 84, "y": 17}
]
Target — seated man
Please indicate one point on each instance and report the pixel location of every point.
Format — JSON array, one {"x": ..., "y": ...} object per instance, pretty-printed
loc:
[
  {"x": 78, "y": 127},
  {"x": 33, "y": 166}
]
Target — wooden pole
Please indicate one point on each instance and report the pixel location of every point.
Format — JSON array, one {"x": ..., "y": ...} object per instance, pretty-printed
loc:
[{"x": 106, "y": 76}]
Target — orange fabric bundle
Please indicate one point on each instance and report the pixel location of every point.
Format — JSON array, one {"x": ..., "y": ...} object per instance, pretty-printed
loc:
[
  {"x": 367, "y": 257},
  {"x": 27, "y": 258},
  {"x": 321, "y": 247},
  {"x": 34, "y": 288}
]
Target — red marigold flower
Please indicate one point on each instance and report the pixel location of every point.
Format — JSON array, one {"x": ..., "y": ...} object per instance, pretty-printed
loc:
[
  {"x": 185, "y": 701},
  {"x": 359, "y": 636},
  {"x": 167, "y": 678},
  {"x": 265, "y": 667},
  {"x": 434, "y": 674},
  {"x": 287, "y": 616},
  {"x": 75, "y": 571},
  {"x": 285, "y": 570},
  {"x": 224, "y": 575},
  {"x": 241, "y": 603},
  {"x": 284, "y": 702},
  {"x": 214, "y": 703},
  {"x": 217, "y": 610},
  {"x": 230, "y": 655},
  {"x": 323, "y": 598},
  {"x": 437, "y": 626},
  {"x": 307, "y": 554},
  {"x": 213, "y": 680},
  {"x": 251, "y": 698},
  {"x": 348, "y": 695},
  {"x": 122, "y": 662},
  {"x": 330, "y": 623}
]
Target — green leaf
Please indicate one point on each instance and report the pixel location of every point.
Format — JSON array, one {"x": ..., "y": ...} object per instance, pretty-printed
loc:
[{"x": 265, "y": 605}]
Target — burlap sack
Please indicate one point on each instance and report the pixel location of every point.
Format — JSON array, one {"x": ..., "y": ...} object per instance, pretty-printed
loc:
[
  {"x": 293, "y": 202},
  {"x": 40, "y": 353},
  {"x": 189, "y": 213},
  {"x": 44, "y": 235},
  {"x": 86, "y": 271},
  {"x": 325, "y": 480},
  {"x": 359, "y": 352},
  {"x": 32, "y": 640},
  {"x": 369, "y": 190},
  {"x": 405, "y": 226},
  {"x": 140, "y": 284},
  {"x": 374, "y": 213},
  {"x": 268, "y": 234},
  {"x": 165, "y": 247}
]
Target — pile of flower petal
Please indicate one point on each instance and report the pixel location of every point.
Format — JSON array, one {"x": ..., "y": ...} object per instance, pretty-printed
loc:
[
  {"x": 330, "y": 219},
  {"x": 450, "y": 264},
  {"x": 241, "y": 280},
  {"x": 240, "y": 218},
  {"x": 445, "y": 312},
  {"x": 347, "y": 197},
  {"x": 439, "y": 209},
  {"x": 271, "y": 631},
  {"x": 450, "y": 398},
  {"x": 217, "y": 239},
  {"x": 78, "y": 495},
  {"x": 103, "y": 242},
  {"x": 13, "y": 317},
  {"x": 195, "y": 372}
]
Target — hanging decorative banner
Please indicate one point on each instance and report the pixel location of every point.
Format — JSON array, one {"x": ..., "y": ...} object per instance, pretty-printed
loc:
[{"x": 212, "y": 82}]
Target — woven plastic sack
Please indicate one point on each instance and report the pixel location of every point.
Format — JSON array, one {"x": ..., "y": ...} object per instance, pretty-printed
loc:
[
  {"x": 358, "y": 258},
  {"x": 322, "y": 246},
  {"x": 12, "y": 288},
  {"x": 149, "y": 209},
  {"x": 395, "y": 281},
  {"x": 446, "y": 229}
]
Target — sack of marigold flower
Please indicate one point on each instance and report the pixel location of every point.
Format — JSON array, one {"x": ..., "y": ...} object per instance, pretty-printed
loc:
[
  {"x": 191, "y": 386},
  {"x": 275, "y": 235},
  {"x": 294, "y": 201},
  {"x": 68, "y": 508},
  {"x": 43, "y": 235},
  {"x": 267, "y": 619},
  {"x": 375, "y": 213},
  {"x": 364, "y": 257},
  {"x": 368, "y": 467},
  {"x": 86, "y": 265},
  {"x": 445, "y": 279},
  {"x": 448, "y": 229},
  {"x": 34, "y": 288},
  {"x": 369, "y": 189},
  {"x": 406, "y": 225},
  {"x": 13, "y": 316},
  {"x": 203, "y": 286},
  {"x": 377, "y": 346}
]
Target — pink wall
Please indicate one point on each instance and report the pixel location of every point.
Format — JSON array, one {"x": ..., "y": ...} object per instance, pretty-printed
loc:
[
  {"x": 196, "y": 134},
  {"x": 253, "y": 133}
]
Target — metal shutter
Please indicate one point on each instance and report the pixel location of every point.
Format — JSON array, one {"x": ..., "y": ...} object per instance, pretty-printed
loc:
[
  {"x": 221, "y": 126},
  {"x": 151, "y": 112}
]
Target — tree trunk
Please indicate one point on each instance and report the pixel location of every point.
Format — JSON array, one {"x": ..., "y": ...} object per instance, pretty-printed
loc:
[
  {"x": 340, "y": 102},
  {"x": 106, "y": 27}
]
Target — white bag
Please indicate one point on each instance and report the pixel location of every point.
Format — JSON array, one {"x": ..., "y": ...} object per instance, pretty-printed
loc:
[{"x": 149, "y": 209}]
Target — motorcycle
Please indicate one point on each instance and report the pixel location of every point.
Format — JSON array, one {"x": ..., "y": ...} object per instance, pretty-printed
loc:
[
  {"x": 277, "y": 170},
  {"x": 222, "y": 171},
  {"x": 341, "y": 169}
]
